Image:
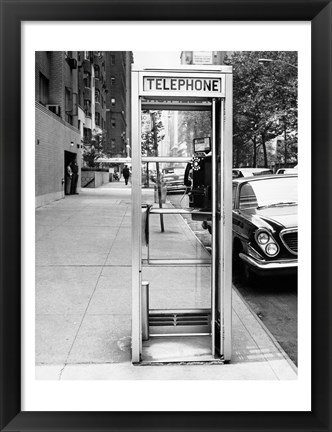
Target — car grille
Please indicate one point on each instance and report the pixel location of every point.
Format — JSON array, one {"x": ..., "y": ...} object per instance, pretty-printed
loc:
[{"x": 289, "y": 239}]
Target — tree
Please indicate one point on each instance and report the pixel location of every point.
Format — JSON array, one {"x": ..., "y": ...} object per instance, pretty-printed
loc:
[
  {"x": 265, "y": 104},
  {"x": 149, "y": 147},
  {"x": 150, "y": 140},
  {"x": 93, "y": 148},
  {"x": 193, "y": 124}
]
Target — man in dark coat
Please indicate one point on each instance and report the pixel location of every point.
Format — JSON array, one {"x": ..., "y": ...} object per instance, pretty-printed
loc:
[
  {"x": 126, "y": 173},
  {"x": 74, "y": 168}
]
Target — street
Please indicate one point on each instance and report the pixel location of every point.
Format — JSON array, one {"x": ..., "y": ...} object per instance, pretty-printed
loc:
[{"x": 273, "y": 300}]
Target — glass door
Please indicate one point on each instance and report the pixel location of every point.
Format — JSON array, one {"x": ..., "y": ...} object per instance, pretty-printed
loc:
[{"x": 178, "y": 196}]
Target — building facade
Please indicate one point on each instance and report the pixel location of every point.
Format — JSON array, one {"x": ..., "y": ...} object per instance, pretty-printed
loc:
[
  {"x": 58, "y": 128},
  {"x": 118, "y": 124},
  {"x": 81, "y": 103}
]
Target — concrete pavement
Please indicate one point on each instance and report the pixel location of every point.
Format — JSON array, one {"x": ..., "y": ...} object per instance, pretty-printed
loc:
[{"x": 83, "y": 297}]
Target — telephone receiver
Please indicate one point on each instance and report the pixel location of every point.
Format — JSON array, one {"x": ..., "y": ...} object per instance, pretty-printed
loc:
[{"x": 194, "y": 165}]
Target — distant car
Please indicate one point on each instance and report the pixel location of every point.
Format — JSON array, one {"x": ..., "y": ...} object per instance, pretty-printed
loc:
[
  {"x": 174, "y": 179},
  {"x": 248, "y": 172},
  {"x": 265, "y": 227},
  {"x": 287, "y": 170}
]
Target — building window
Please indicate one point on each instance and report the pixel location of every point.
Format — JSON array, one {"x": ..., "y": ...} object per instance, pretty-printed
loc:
[
  {"x": 113, "y": 123},
  {"x": 97, "y": 119},
  {"x": 69, "y": 105},
  {"x": 112, "y": 80},
  {"x": 112, "y": 59},
  {"x": 97, "y": 96},
  {"x": 87, "y": 135},
  {"x": 43, "y": 89},
  {"x": 97, "y": 71},
  {"x": 87, "y": 80},
  {"x": 113, "y": 101},
  {"x": 68, "y": 99},
  {"x": 87, "y": 107}
]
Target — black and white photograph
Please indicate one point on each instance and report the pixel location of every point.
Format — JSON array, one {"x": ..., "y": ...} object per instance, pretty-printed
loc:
[
  {"x": 165, "y": 184},
  {"x": 166, "y": 229},
  {"x": 166, "y": 206}
]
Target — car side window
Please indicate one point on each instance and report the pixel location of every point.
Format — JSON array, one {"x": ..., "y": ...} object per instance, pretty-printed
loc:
[
  {"x": 248, "y": 198},
  {"x": 234, "y": 195}
]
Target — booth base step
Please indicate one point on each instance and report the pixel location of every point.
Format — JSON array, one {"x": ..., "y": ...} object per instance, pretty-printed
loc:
[
  {"x": 178, "y": 349},
  {"x": 180, "y": 322}
]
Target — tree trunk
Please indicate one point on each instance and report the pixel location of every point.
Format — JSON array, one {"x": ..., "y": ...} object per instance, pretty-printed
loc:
[
  {"x": 285, "y": 142},
  {"x": 264, "y": 151},
  {"x": 237, "y": 153},
  {"x": 254, "y": 159},
  {"x": 155, "y": 136},
  {"x": 147, "y": 175}
]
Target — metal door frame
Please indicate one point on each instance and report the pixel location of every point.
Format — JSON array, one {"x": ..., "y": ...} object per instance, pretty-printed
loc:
[{"x": 225, "y": 197}]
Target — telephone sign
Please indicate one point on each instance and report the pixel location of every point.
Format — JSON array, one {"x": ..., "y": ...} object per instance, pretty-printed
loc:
[{"x": 182, "y": 85}]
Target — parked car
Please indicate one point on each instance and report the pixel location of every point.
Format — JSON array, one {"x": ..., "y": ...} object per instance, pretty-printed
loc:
[
  {"x": 265, "y": 227},
  {"x": 287, "y": 170},
  {"x": 248, "y": 172},
  {"x": 174, "y": 179}
]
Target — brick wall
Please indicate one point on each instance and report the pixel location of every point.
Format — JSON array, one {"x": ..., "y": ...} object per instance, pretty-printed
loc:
[{"x": 52, "y": 138}]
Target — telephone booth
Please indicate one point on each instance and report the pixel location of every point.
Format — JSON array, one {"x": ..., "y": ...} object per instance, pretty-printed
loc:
[{"x": 181, "y": 184}]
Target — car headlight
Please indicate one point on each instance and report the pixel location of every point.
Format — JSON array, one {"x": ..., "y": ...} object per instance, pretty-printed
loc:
[
  {"x": 262, "y": 238},
  {"x": 272, "y": 249},
  {"x": 267, "y": 243}
]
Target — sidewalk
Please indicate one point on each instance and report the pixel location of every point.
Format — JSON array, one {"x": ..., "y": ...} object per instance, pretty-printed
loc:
[{"x": 83, "y": 299}]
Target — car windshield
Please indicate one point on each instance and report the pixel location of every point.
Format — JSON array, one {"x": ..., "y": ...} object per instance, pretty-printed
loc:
[{"x": 271, "y": 192}]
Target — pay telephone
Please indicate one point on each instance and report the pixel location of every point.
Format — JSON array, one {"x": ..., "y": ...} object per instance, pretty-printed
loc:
[{"x": 198, "y": 177}]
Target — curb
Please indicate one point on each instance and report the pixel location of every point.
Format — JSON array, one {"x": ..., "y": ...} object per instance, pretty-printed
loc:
[{"x": 267, "y": 331}]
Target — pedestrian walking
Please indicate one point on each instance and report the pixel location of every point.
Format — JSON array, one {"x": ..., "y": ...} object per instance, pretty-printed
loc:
[
  {"x": 74, "y": 179},
  {"x": 130, "y": 175},
  {"x": 126, "y": 174}
]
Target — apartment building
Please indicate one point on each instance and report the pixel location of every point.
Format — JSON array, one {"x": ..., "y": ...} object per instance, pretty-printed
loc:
[
  {"x": 118, "y": 123},
  {"x": 70, "y": 106}
]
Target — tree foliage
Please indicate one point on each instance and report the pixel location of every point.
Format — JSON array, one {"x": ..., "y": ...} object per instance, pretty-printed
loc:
[
  {"x": 265, "y": 106},
  {"x": 193, "y": 124},
  {"x": 93, "y": 149},
  {"x": 151, "y": 139}
]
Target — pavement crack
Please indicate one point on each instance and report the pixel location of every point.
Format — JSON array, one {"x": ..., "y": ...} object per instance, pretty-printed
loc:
[{"x": 61, "y": 371}]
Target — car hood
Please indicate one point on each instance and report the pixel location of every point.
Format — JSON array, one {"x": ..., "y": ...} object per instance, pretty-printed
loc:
[{"x": 277, "y": 217}]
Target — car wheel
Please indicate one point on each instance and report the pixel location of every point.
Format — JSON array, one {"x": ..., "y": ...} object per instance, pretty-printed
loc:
[
  {"x": 248, "y": 274},
  {"x": 241, "y": 270},
  {"x": 237, "y": 263}
]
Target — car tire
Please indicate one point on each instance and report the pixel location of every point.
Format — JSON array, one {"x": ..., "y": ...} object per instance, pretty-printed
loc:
[
  {"x": 237, "y": 263},
  {"x": 248, "y": 275},
  {"x": 241, "y": 270}
]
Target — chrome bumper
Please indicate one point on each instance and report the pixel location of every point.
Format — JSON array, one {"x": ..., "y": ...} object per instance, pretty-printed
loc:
[{"x": 267, "y": 265}]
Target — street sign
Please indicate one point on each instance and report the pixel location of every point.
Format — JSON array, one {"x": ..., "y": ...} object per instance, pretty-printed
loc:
[
  {"x": 202, "y": 57},
  {"x": 146, "y": 123}
]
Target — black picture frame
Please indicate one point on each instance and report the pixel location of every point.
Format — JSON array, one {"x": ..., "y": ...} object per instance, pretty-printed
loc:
[{"x": 13, "y": 12}]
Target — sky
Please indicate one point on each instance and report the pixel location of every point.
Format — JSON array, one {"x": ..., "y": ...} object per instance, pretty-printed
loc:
[{"x": 157, "y": 59}]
